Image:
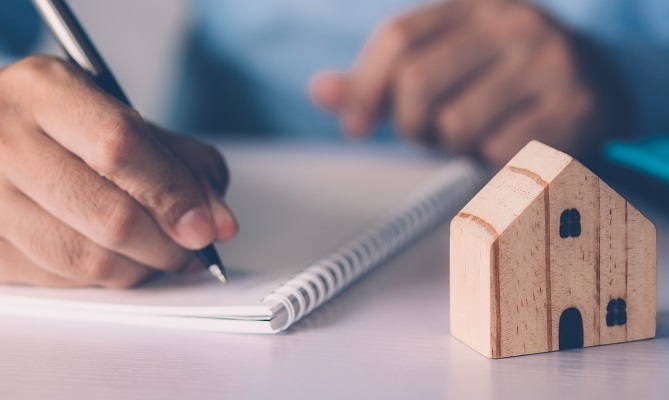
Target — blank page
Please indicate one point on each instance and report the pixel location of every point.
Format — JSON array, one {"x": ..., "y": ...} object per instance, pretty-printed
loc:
[{"x": 293, "y": 207}]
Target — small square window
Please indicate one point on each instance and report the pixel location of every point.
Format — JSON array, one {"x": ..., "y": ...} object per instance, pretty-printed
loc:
[{"x": 616, "y": 312}]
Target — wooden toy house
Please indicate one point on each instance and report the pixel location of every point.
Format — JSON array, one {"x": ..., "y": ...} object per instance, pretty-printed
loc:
[{"x": 548, "y": 257}]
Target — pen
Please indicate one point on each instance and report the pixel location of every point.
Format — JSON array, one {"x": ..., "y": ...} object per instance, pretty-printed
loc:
[{"x": 66, "y": 28}]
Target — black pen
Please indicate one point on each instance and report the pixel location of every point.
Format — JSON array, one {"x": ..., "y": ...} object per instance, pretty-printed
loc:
[{"x": 79, "y": 48}]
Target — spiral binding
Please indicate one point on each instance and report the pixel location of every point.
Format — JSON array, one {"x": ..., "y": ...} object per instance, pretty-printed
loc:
[{"x": 441, "y": 197}]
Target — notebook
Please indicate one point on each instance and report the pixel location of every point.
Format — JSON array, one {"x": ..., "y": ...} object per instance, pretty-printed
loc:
[{"x": 312, "y": 223}]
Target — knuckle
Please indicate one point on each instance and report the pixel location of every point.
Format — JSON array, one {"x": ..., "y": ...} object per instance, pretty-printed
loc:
[
  {"x": 411, "y": 121},
  {"x": 26, "y": 80},
  {"x": 413, "y": 97},
  {"x": 520, "y": 20},
  {"x": 6, "y": 189},
  {"x": 527, "y": 18},
  {"x": 86, "y": 261},
  {"x": 394, "y": 35},
  {"x": 6, "y": 150},
  {"x": 119, "y": 223},
  {"x": 559, "y": 54},
  {"x": 34, "y": 64},
  {"x": 579, "y": 104},
  {"x": 450, "y": 122},
  {"x": 177, "y": 187},
  {"x": 117, "y": 142},
  {"x": 38, "y": 68},
  {"x": 177, "y": 201},
  {"x": 412, "y": 80},
  {"x": 453, "y": 130},
  {"x": 99, "y": 266}
]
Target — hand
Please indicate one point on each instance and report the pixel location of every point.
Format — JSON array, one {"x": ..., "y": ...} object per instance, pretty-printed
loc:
[
  {"x": 90, "y": 195},
  {"x": 481, "y": 77}
]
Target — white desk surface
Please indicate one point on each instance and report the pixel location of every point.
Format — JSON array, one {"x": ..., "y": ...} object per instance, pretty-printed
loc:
[{"x": 385, "y": 338}]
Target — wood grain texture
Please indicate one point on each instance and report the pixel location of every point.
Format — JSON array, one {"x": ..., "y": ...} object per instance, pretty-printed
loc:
[
  {"x": 612, "y": 258},
  {"x": 522, "y": 277},
  {"x": 565, "y": 241},
  {"x": 476, "y": 246},
  {"x": 539, "y": 159},
  {"x": 641, "y": 276},
  {"x": 575, "y": 260},
  {"x": 475, "y": 254}
]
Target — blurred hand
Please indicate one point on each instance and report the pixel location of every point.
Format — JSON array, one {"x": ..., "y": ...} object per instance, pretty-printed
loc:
[
  {"x": 90, "y": 195},
  {"x": 481, "y": 77}
]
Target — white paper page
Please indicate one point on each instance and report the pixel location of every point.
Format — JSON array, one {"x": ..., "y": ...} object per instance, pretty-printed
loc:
[{"x": 293, "y": 207}]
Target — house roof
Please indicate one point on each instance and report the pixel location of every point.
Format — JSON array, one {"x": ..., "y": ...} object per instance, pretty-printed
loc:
[{"x": 519, "y": 183}]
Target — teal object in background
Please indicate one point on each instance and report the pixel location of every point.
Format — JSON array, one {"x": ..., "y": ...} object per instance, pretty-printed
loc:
[{"x": 649, "y": 156}]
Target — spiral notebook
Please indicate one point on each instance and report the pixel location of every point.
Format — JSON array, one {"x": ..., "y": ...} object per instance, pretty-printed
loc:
[{"x": 312, "y": 223}]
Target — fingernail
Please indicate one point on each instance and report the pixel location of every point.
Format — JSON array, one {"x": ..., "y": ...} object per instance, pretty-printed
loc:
[
  {"x": 227, "y": 230},
  {"x": 195, "y": 229},
  {"x": 226, "y": 224}
]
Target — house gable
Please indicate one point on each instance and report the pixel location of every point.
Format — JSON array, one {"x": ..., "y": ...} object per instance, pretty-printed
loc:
[{"x": 548, "y": 245}]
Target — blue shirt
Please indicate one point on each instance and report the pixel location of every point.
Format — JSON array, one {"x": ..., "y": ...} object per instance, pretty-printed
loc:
[{"x": 19, "y": 29}]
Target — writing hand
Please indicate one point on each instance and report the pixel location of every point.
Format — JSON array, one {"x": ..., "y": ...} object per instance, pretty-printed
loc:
[{"x": 90, "y": 194}]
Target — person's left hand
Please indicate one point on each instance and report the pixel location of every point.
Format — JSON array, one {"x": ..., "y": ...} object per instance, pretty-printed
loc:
[{"x": 481, "y": 77}]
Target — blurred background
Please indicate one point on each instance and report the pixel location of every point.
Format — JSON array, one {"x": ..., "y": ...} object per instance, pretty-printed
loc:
[
  {"x": 236, "y": 67},
  {"x": 591, "y": 72},
  {"x": 141, "y": 41}
]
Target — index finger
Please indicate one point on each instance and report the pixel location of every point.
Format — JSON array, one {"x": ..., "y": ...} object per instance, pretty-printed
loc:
[
  {"x": 374, "y": 68},
  {"x": 116, "y": 142}
]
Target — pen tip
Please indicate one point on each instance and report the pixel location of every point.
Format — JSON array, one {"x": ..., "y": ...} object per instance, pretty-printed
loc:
[{"x": 218, "y": 273}]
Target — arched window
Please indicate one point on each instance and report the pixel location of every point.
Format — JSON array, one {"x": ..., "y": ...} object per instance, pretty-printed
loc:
[{"x": 570, "y": 223}]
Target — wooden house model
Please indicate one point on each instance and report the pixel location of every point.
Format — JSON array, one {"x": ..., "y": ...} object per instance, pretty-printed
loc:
[{"x": 548, "y": 257}]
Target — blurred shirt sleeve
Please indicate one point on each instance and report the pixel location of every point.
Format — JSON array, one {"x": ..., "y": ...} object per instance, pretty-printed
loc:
[
  {"x": 635, "y": 33},
  {"x": 19, "y": 29}
]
